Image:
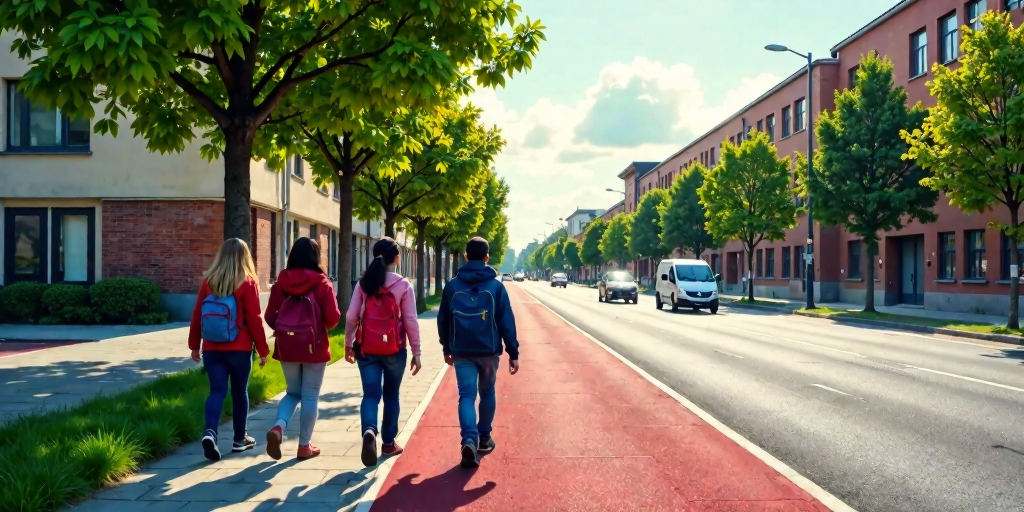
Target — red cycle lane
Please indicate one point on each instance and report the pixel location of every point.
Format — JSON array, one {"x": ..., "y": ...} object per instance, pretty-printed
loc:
[{"x": 578, "y": 430}]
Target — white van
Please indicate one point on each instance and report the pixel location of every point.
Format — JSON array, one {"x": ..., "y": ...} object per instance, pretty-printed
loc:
[{"x": 687, "y": 284}]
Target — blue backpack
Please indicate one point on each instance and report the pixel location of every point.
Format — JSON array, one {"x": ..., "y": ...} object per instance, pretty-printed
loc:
[
  {"x": 219, "y": 319},
  {"x": 474, "y": 329}
]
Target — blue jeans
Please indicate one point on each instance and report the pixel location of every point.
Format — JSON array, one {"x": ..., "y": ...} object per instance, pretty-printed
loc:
[
  {"x": 382, "y": 378},
  {"x": 476, "y": 375},
  {"x": 304, "y": 381},
  {"x": 223, "y": 366}
]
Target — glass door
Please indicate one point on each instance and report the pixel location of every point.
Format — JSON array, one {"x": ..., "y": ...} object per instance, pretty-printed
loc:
[
  {"x": 73, "y": 243},
  {"x": 25, "y": 245}
]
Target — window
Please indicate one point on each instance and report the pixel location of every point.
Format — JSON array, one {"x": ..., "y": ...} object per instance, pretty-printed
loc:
[
  {"x": 313, "y": 233},
  {"x": 947, "y": 255},
  {"x": 1005, "y": 264},
  {"x": 853, "y": 257},
  {"x": 852, "y": 76},
  {"x": 332, "y": 253},
  {"x": 974, "y": 11},
  {"x": 760, "y": 263},
  {"x": 337, "y": 192},
  {"x": 787, "y": 262},
  {"x": 739, "y": 138},
  {"x": 49, "y": 245},
  {"x": 800, "y": 121},
  {"x": 33, "y": 128},
  {"x": 976, "y": 262},
  {"x": 713, "y": 161},
  {"x": 918, "y": 54},
  {"x": 297, "y": 166},
  {"x": 769, "y": 270},
  {"x": 948, "y": 30},
  {"x": 295, "y": 231},
  {"x": 1014, "y": 4},
  {"x": 787, "y": 120},
  {"x": 798, "y": 262},
  {"x": 732, "y": 140},
  {"x": 770, "y": 124},
  {"x": 760, "y": 125}
]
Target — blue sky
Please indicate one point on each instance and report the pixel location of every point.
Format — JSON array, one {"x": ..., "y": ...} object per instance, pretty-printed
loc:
[{"x": 619, "y": 81}]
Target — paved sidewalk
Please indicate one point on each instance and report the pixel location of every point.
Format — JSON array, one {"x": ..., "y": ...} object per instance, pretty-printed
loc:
[
  {"x": 578, "y": 430},
  {"x": 913, "y": 311},
  {"x": 252, "y": 481}
]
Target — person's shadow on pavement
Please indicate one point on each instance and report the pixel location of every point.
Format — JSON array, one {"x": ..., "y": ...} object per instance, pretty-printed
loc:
[{"x": 442, "y": 493}]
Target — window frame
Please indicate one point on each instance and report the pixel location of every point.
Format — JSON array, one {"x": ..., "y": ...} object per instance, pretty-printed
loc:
[
  {"x": 1004, "y": 256},
  {"x": 787, "y": 121},
  {"x": 949, "y": 38},
  {"x": 25, "y": 125},
  {"x": 851, "y": 76},
  {"x": 970, "y": 271},
  {"x": 759, "y": 264},
  {"x": 297, "y": 167},
  {"x": 760, "y": 125},
  {"x": 799, "y": 115},
  {"x": 854, "y": 259},
  {"x": 947, "y": 255},
  {"x": 787, "y": 262},
  {"x": 919, "y": 52},
  {"x": 799, "y": 266},
  {"x": 770, "y": 127},
  {"x": 1014, "y": 4},
  {"x": 769, "y": 263},
  {"x": 974, "y": 18}
]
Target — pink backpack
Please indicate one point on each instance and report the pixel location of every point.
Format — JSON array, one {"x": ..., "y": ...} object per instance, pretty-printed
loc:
[
  {"x": 298, "y": 329},
  {"x": 378, "y": 324}
]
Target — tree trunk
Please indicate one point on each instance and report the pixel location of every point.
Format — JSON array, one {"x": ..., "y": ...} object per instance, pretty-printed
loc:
[
  {"x": 1012, "y": 319},
  {"x": 447, "y": 265},
  {"x": 421, "y": 265},
  {"x": 346, "y": 203},
  {"x": 389, "y": 224},
  {"x": 237, "y": 184},
  {"x": 697, "y": 251},
  {"x": 750, "y": 274},
  {"x": 869, "y": 288},
  {"x": 438, "y": 266}
]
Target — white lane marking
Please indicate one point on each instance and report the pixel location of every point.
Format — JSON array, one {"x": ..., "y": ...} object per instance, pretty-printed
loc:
[
  {"x": 826, "y": 498},
  {"x": 380, "y": 475},
  {"x": 796, "y": 341},
  {"x": 962, "y": 377},
  {"x": 826, "y": 388},
  {"x": 728, "y": 354}
]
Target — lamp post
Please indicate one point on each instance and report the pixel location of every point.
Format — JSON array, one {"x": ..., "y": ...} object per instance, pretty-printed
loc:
[{"x": 809, "y": 253}]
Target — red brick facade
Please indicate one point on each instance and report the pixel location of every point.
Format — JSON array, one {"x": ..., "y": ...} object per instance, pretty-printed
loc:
[
  {"x": 168, "y": 242},
  {"x": 263, "y": 248}
]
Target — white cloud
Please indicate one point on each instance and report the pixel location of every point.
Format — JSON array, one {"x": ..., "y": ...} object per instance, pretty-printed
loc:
[{"x": 560, "y": 157}]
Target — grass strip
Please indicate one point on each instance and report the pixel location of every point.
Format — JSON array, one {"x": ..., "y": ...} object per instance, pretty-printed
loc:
[{"x": 916, "y": 320}]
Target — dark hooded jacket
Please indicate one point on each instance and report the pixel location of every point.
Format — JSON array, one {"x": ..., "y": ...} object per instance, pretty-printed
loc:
[
  {"x": 477, "y": 273},
  {"x": 300, "y": 282}
]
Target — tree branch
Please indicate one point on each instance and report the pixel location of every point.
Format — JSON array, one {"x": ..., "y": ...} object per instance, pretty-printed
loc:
[
  {"x": 285, "y": 118},
  {"x": 318, "y": 139},
  {"x": 218, "y": 113},
  {"x": 198, "y": 57},
  {"x": 223, "y": 69},
  {"x": 416, "y": 199}
]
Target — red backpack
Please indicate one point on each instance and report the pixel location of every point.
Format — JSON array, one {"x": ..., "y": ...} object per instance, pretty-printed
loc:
[
  {"x": 298, "y": 329},
  {"x": 378, "y": 324}
]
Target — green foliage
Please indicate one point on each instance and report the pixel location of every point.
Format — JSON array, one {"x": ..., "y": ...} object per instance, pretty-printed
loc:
[
  {"x": 615, "y": 242},
  {"x": 571, "y": 253},
  {"x": 67, "y": 304},
  {"x": 645, "y": 237},
  {"x": 22, "y": 302},
  {"x": 861, "y": 181},
  {"x": 971, "y": 139},
  {"x": 122, "y": 299},
  {"x": 499, "y": 244},
  {"x": 748, "y": 196},
  {"x": 683, "y": 223},
  {"x": 590, "y": 249}
]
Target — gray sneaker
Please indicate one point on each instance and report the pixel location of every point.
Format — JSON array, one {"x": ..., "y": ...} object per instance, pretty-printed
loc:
[
  {"x": 247, "y": 443},
  {"x": 210, "y": 449},
  {"x": 470, "y": 455},
  {"x": 486, "y": 446}
]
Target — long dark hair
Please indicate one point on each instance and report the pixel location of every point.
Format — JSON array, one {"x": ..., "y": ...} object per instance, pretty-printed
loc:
[
  {"x": 385, "y": 251},
  {"x": 305, "y": 254}
]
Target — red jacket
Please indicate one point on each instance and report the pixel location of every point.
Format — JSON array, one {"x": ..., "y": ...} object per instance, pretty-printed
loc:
[
  {"x": 249, "y": 318},
  {"x": 300, "y": 282}
]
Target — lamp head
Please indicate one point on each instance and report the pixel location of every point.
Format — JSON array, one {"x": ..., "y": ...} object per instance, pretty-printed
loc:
[{"x": 776, "y": 48}]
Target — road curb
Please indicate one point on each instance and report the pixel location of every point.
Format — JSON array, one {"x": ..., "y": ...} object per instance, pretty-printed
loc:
[{"x": 1002, "y": 338}]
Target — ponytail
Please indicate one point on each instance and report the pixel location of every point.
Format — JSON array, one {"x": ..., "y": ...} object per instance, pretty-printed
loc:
[{"x": 385, "y": 252}]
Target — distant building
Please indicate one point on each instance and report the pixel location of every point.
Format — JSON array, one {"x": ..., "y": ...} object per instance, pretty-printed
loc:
[{"x": 576, "y": 223}]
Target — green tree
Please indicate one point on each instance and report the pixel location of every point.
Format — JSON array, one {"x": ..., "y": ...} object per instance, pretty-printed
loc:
[
  {"x": 228, "y": 68},
  {"x": 971, "y": 141},
  {"x": 590, "y": 250},
  {"x": 452, "y": 225},
  {"x": 499, "y": 244},
  {"x": 571, "y": 254},
  {"x": 615, "y": 242},
  {"x": 683, "y": 223},
  {"x": 748, "y": 197},
  {"x": 645, "y": 236},
  {"x": 861, "y": 180}
]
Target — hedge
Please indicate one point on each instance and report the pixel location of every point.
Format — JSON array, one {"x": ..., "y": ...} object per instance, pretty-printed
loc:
[{"x": 118, "y": 300}]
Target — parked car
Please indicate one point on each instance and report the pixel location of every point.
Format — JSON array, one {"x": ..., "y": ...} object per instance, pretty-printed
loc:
[
  {"x": 559, "y": 279},
  {"x": 685, "y": 283},
  {"x": 519, "y": 277},
  {"x": 617, "y": 285},
  {"x": 506, "y": 277}
]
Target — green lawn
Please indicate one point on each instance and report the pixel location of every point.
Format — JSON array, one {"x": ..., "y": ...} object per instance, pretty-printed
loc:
[
  {"x": 52, "y": 459},
  {"x": 763, "y": 302},
  {"x": 929, "y": 322}
]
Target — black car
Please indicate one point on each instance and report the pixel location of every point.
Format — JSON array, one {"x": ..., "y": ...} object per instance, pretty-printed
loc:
[{"x": 617, "y": 285}]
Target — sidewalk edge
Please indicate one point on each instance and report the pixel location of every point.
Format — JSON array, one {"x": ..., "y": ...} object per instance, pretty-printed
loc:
[
  {"x": 380, "y": 474},
  {"x": 825, "y": 497}
]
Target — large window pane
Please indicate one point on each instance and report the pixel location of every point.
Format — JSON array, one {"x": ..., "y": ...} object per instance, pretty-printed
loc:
[
  {"x": 28, "y": 248},
  {"x": 78, "y": 132},
  {"x": 43, "y": 126},
  {"x": 74, "y": 248},
  {"x": 17, "y": 111}
]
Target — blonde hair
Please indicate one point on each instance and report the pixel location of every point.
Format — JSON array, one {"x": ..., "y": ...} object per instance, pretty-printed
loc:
[{"x": 232, "y": 266}]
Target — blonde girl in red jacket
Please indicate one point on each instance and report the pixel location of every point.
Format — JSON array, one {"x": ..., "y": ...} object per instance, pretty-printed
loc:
[{"x": 226, "y": 327}]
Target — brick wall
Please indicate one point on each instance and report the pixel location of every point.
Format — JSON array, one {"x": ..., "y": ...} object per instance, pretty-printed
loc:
[
  {"x": 168, "y": 242},
  {"x": 262, "y": 250},
  {"x": 323, "y": 239}
]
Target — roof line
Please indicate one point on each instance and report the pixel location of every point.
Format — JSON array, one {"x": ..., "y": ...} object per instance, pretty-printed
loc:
[
  {"x": 902, "y": 4},
  {"x": 786, "y": 81}
]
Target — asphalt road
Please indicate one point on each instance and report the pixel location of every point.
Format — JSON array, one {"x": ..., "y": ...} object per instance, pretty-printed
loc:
[{"x": 882, "y": 419}]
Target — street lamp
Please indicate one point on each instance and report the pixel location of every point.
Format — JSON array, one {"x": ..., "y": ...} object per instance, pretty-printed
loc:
[
  {"x": 616, "y": 191},
  {"x": 809, "y": 253}
]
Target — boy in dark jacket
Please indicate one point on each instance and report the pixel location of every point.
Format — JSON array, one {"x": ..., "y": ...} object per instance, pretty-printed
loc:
[{"x": 474, "y": 318}]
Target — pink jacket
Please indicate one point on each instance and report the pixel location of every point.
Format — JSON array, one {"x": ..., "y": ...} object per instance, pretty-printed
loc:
[{"x": 408, "y": 330}]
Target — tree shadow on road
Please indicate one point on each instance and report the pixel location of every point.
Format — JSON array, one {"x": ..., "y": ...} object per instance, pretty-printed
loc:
[
  {"x": 443, "y": 492},
  {"x": 1007, "y": 353}
]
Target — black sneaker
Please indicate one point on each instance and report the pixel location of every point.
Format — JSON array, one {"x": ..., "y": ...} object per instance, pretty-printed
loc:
[
  {"x": 369, "y": 454},
  {"x": 210, "y": 449},
  {"x": 247, "y": 443},
  {"x": 470, "y": 455},
  {"x": 486, "y": 446}
]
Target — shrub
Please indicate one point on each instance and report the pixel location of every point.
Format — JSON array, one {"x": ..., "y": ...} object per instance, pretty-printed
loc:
[
  {"x": 62, "y": 301},
  {"x": 151, "y": 318},
  {"x": 23, "y": 302},
  {"x": 120, "y": 299}
]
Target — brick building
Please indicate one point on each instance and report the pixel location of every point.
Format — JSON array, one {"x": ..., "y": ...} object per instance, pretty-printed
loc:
[
  {"x": 954, "y": 264},
  {"x": 78, "y": 207}
]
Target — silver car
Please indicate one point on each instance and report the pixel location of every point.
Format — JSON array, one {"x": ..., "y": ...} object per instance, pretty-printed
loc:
[{"x": 559, "y": 279}]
